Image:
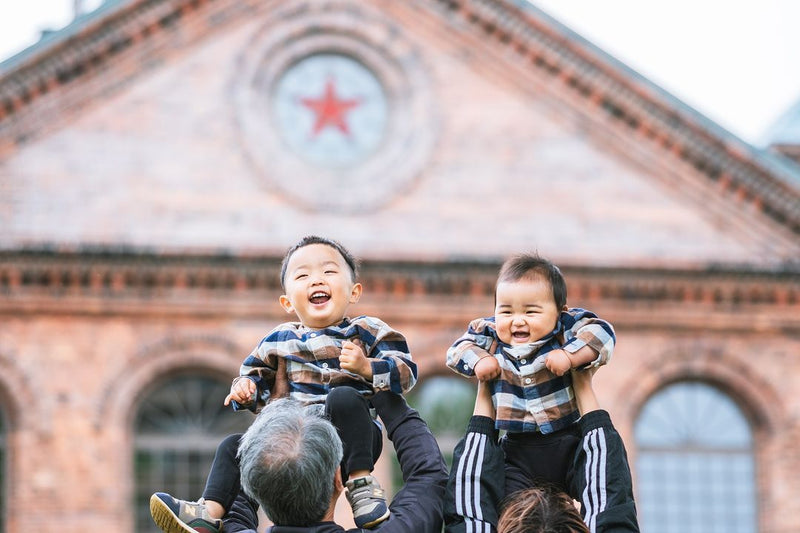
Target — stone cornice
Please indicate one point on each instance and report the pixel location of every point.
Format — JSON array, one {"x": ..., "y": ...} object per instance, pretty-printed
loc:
[{"x": 215, "y": 284}]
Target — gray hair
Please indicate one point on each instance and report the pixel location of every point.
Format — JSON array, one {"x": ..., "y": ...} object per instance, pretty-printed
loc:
[{"x": 288, "y": 458}]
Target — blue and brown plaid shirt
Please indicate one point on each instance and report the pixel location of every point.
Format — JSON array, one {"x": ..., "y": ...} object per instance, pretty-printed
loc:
[
  {"x": 528, "y": 397},
  {"x": 312, "y": 360}
]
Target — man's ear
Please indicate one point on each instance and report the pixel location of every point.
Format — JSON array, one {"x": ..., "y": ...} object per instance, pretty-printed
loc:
[
  {"x": 565, "y": 308},
  {"x": 286, "y": 303},
  {"x": 338, "y": 485},
  {"x": 355, "y": 293}
]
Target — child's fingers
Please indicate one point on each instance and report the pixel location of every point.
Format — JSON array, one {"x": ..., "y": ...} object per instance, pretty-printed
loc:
[
  {"x": 245, "y": 387},
  {"x": 353, "y": 345}
]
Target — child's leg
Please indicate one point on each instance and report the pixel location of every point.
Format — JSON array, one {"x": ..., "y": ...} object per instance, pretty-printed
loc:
[
  {"x": 362, "y": 442},
  {"x": 361, "y": 437},
  {"x": 224, "y": 481}
]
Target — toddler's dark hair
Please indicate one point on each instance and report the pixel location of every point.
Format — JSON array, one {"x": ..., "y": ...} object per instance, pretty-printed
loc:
[
  {"x": 527, "y": 265},
  {"x": 313, "y": 239}
]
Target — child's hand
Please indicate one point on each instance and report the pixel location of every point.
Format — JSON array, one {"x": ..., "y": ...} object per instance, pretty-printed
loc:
[
  {"x": 487, "y": 368},
  {"x": 558, "y": 362},
  {"x": 242, "y": 391},
  {"x": 354, "y": 359}
]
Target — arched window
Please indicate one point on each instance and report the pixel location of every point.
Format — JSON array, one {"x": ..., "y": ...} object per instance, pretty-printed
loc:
[
  {"x": 177, "y": 429},
  {"x": 3, "y": 480},
  {"x": 446, "y": 404},
  {"x": 694, "y": 463}
]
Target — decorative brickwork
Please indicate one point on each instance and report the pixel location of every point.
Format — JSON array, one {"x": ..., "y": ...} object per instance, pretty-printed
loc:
[{"x": 126, "y": 145}]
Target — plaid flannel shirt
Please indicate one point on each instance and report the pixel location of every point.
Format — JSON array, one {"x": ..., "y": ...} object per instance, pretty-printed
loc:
[
  {"x": 312, "y": 360},
  {"x": 528, "y": 397}
]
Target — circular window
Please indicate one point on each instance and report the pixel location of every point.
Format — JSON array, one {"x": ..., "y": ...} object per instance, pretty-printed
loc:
[
  {"x": 331, "y": 110},
  {"x": 334, "y": 115}
]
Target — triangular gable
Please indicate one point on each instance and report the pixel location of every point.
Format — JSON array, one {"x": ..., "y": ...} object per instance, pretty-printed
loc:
[
  {"x": 49, "y": 87},
  {"x": 783, "y": 136}
]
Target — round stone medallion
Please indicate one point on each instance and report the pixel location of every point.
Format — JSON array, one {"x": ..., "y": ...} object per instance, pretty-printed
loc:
[{"x": 334, "y": 112}]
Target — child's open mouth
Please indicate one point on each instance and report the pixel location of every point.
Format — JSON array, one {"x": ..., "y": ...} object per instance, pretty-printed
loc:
[
  {"x": 319, "y": 298},
  {"x": 519, "y": 335}
]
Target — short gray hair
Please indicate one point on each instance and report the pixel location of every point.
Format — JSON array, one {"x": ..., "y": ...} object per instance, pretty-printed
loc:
[{"x": 288, "y": 458}]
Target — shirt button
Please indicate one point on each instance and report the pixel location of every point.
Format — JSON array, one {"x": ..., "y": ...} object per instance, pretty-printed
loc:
[
  {"x": 523, "y": 361},
  {"x": 324, "y": 365},
  {"x": 527, "y": 381},
  {"x": 466, "y": 365},
  {"x": 313, "y": 335}
]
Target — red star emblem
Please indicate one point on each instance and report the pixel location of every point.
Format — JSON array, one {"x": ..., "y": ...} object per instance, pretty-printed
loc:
[{"x": 330, "y": 109}]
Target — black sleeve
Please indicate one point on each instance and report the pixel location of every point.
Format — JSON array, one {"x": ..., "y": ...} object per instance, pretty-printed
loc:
[
  {"x": 417, "y": 506},
  {"x": 602, "y": 477},
  {"x": 477, "y": 480},
  {"x": 242, "y": 516}
]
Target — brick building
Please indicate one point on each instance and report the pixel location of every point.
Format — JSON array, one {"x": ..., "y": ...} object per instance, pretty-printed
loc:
[{"x": 158, "y": 156}]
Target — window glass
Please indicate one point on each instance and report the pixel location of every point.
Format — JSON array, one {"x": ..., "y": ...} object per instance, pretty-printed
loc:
[
  {"x": 695, "y": 468},
  {"x": 446, "y": 404},
  {"x": 3, "y": 480}
]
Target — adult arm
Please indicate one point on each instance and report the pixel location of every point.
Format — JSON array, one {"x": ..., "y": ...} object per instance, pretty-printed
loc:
[
  {"x": 417, "y": 506},
  {"x": 477, "y": 478},
  {"x": 602, "y": 474}
]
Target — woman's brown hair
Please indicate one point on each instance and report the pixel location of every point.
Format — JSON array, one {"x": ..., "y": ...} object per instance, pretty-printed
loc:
[{"x": 539, "y": 510}]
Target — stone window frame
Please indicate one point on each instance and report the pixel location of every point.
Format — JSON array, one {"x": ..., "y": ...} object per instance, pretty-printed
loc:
[
  {"x": 176, "y": 407},
  {"x": 683, "y": 458}
]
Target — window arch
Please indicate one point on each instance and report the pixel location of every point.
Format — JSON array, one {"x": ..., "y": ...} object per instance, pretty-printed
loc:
[
  {"x": 446, "y": 404},
  {"x": 3, "y": 479},
  {"x": 177, "y": 428},
  {"x": 695, "y": 464}
]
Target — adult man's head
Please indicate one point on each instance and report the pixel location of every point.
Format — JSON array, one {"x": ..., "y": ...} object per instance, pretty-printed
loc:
[{"x": 289, "y": 460}]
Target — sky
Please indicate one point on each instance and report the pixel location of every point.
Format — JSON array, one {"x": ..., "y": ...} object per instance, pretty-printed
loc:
[{"x": 735, "y": 61}]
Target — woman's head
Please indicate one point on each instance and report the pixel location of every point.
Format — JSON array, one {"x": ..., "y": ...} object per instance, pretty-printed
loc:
[{"x": 540, "y": 510}]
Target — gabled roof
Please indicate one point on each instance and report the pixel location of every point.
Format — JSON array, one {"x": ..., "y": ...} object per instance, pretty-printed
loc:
[
  {"x": 66, "y": 36},
  {"x": 785, "y": 131},
  {"x": 90, "y": 58}
]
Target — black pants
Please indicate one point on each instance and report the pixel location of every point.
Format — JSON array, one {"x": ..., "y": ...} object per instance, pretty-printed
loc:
[
  {"x": 534, "y": 459},
  {"x": 361, "y": 436},
  {"x": 349, "y": 413}
]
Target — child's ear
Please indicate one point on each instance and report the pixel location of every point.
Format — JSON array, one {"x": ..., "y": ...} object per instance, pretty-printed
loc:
[
  {"x": 286, "y": 303},
  {"x": 565, "y": 308},
  {"x": 355, "y": 293}
]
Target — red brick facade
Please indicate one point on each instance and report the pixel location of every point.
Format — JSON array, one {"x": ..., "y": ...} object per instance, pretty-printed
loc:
[{"x": 140, "y": 233}]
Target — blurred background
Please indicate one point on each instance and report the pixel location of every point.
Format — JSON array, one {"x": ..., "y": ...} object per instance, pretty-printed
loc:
[{"x": 157, "y": 157}]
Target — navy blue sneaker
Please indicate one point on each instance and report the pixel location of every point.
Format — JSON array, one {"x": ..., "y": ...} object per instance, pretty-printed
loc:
[{"x": 177, "y": 516}]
